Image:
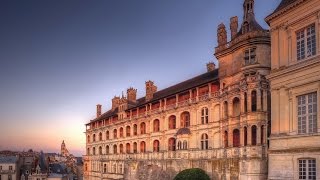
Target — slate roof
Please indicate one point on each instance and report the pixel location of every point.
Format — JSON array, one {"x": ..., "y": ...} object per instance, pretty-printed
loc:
[
  {"x": 283, "y": 4},
  {"x": 183, "y": 131},
  {"x": 167, "y": 92},
  {"x": 8, "y": 159}
]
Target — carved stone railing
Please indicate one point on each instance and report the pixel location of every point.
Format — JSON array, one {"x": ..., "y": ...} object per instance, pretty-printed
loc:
[
  {"x": 204, "y": 97},
  {"x": 183, "y": 103},
  {"x": 171, "y": 106}
]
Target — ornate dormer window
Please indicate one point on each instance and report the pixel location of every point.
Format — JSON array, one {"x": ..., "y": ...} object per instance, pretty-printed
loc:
[{"x": 250, "y": 56}]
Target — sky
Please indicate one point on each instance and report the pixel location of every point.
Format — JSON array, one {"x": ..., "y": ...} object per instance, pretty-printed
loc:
[{"x": 59, "y": 58}]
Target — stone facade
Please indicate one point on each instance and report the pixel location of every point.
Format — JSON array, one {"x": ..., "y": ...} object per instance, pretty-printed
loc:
[
  {"x": 295, "y": 90},
  {"x": 218, "y": 121}
]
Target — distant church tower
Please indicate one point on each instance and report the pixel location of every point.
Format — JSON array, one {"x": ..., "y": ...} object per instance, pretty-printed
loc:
[{"x": 64, "y": 151}]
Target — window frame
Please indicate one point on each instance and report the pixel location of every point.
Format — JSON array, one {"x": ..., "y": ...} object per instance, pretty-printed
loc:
[
  {"x": 205, "y": 115},
  {"x": 307, "y": 114},
  {"x": 304, "y": 31},
  {"x": 307, "y": 165}
]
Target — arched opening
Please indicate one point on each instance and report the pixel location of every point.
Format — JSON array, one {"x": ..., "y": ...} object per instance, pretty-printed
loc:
[
  {"x": 121, "y": 148},
  {"x": 143, "y": 128},
  {"x": 105, "y": 168},
  {"x": 172, "y": 122},
  {"x": 100, "y": 136},
  {"x": 254, "y": 101},
  {"x": 115, "y": 150},
  {"x": 94, "y": 138},
  {"x": 204, "y": 141},
  {"x": 225, "y": 109},
  {"x": 88, "y": 151},
  {"x": 114, "y": 168},
  {"x": 262, "y": 107},
  {"x": 172, "y": 144},
  {"x": 142, "y": 147},
  {"x": 185, "y": 119},
  {"x": 156, "y": 125},
  {"x": 204, "y": 115},
  {"x": 100, "y": 150},
  {"x": 128, "y": 129},
  {"x": 88, "y": 139},
  {"x": 128, "y": 148},
  {"x": 107, "y": 149},
  {"x": 156, "y": 146},
  {"x": 225, "y": 138},
  {"x": 86, "y": 167},
  {"x": 121, "y": 132},
  {"x": 135, "y": 147},
  {"x": 135, "y": 130},
  {"x": 245, "y": 102},
  {"x": 185, "y": 145},
  {"x": 236, "y": 106},
  {"x": 245, "y": 134},
  {"x": 254, "y": 135},
  {"x": 94, "y": 151},
  {"x": 107, "y": 135},
  {"x": 262, "y": 134},
  {"x": 179, "y": 145},
  {"x": 236, "y": 138},
  {"x": 115, "y": 133}
]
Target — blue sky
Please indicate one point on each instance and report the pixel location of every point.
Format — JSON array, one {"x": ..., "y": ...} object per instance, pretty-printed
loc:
[{"x": 60, "y": 58}]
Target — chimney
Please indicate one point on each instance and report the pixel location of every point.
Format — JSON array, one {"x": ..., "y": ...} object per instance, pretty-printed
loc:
[
  {"x": 132, "y": 94},
  {"x": 150, "y": 90},
  {"x": 115, "y": 102},
  {"x": 99, "y": 110},
  {"x": 211, "y": 66},
  {"x": 234, "y": 26},
  {"x": 222, "y": 35}
]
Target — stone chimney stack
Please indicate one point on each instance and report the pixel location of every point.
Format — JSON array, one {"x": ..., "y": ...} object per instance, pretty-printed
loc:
[
  {"x": 222, "y": 35},
  {"x": 99, "y": 110},
  {"x": 132, "y": 94},
  {"x": 211, "y": 66},
  {"x": 115, "y": 102},
  {"x": 234, "y": 26},
  {"x": 150, "y": 90}
]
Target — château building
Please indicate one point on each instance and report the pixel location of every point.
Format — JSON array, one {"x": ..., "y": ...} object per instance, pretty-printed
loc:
[
  {"x": 295, "y": 86},
  {"x": 218, "y": 121}
]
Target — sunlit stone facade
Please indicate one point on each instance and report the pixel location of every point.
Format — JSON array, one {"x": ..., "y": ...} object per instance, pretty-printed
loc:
[
  {"x": 217, "y": 121},
  {"x": 295, "y": 90}
]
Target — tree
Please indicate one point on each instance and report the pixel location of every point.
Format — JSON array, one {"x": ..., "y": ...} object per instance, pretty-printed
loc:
[{"x": 192, "y": 174}]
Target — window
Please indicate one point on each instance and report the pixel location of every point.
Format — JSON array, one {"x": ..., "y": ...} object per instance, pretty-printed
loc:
[
  {"x": 94, "y": 151},
  {"x": 156, "y": 146},
  {"x": 10, "y": 168},
  {"x": 250, "y": 56},
  {"x": 262, "y": 134},
  {"x": 135, "y": 130},
  {"x": 245, "y": 102},
  {"x": 135, "y": 147},
  {"x": 254, "y": 135},
  {"x": 115, "y": 133},
  {"x": 105, "y": 168},
  {"x": 86, "y": 167},
  {"x": 107, "y": 135},
  {"x": 236, "y": 138},
  {"x": 88, "y": 139},
  {"x": 172, "y": 144},
  {"x": 204, "y": 141},
  {"x": 185, "y": 119},
  {"x": 88, "y": 153},
  {"x": 100, "y": 150},
  {"x": 143, "y": 128},
  {"x": 121, "y": 148},
  {"x": 307, "y": 113},
  {"x": 121, "y": 132},
  {"x": 185, "y": 145},
  {"x": 179, "y": 145},
  {"x": 107, "y": 150},
  {"x": 225, "y": 109},
  {"x": 307, "y": 169},
  {"x": 204, "y": 115},
  {"x": 225, "y": 139},
  {"x": 236, "y": 106},
  {"x": 100, "y": 136},
  {"x": 94, "y": 138},
  {"x": 115, "y": 150},
  {"x": 245, "y": 136},
  {"x": 306, "y": 42},
  {"x": 172, "y": 122},
  {"x": 128, "y": 129},
  {"x": 156, "y": 125},
  {"x": 142, "y": 147},
  {"x": 254, "y": 101},
  {"x": 128, "y": 148}
]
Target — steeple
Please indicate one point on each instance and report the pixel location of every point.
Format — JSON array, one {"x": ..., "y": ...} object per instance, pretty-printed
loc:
[{"x": 248, "y": 8}]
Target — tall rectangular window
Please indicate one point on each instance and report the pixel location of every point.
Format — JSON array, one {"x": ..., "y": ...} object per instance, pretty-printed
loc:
[
  {"x": 307, "y": 169},
  {"x": 306, "y": 42},
  {"x": 250, "y": 56},
  {"x": 307, "y": 113}
]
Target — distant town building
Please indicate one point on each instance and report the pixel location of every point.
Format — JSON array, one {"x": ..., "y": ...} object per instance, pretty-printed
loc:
[
  {"x": 64, "y": 150},
  {"x": 294, "y": 151},
  {"x": 9, "y": 169}
]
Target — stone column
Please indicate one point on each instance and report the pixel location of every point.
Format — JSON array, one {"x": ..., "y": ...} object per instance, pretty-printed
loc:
[
  {"x": 265, "y": 100},
  {"x": 242, "y": 101},
  {"x": 177, "y": 99},
  {"x": 230, "y": 138},
  {"x": 165, "y": 104},
  {"x": 209, "y": 89},
  {"x": 190, "y": 95},
  {"x": 197, "y": 89},
  {"x": 230, "y": 108},
  {"x": 160, "y": 102},
  {"x": 258, "y": 99},
  {"x": 241, "y": 136},
  {"x": 249, "y": 101}
]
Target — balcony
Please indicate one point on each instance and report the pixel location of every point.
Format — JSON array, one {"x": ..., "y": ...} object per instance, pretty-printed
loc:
[
  {"x": 7, "y": 171},
  {"x": 183, "y": 103}
]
